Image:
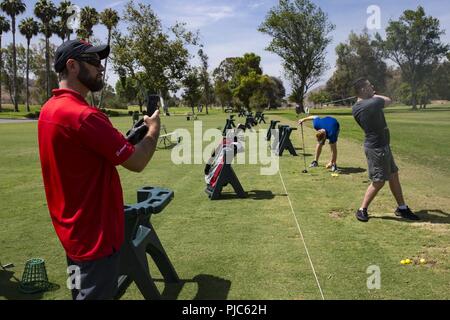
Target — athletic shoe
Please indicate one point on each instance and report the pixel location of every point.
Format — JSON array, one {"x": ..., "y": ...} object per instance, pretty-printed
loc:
[
  {"x": 406, "y": 213},
  {"x": 314, "y": 164},
  {"x": 334, "y": 168},
  {"x": 362, "y": 215}
]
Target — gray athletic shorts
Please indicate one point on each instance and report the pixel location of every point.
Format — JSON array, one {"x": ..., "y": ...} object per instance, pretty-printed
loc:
[
  {"x": 381, "y": 163},
  {"x": 98, "y": 278}
]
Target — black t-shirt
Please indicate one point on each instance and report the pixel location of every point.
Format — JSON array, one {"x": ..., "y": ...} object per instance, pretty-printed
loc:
[{"x": 369, "y": 115}]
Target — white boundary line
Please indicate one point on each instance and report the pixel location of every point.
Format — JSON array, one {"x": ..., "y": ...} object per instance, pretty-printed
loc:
[{"x": 301, "y": 234}]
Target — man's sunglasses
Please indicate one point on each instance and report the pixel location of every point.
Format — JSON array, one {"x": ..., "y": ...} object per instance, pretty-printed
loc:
[{"x": 94, "y": 61}]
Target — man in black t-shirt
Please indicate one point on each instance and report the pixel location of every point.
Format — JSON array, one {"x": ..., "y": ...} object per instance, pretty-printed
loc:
[{"x": 368, "y": 113}]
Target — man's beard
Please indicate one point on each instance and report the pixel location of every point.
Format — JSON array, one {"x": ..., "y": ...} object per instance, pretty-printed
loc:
[{"x": 92, "y": 83}]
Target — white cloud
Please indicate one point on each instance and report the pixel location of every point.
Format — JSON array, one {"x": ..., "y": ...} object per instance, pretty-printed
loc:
[
  {"x": 115, "y": 4},
  {"x": 256, "y": 5},
  {"x": 199, "y": 16}
]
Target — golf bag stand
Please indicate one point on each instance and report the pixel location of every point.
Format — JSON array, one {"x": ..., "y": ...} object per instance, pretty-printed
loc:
[
  {"x": 259, "y": 117},
  {"x": 226, "y": 176},
  {"x": 141, "y": 239},
  {"x": 273, "y": 125},
  {"x": 285, "y": 141},
  {"x": 228, "y": 126},
  {"x": 250, "y": 121}
]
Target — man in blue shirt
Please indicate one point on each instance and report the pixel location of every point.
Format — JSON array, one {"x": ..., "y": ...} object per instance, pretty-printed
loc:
[{"x": 327, "y": 128}]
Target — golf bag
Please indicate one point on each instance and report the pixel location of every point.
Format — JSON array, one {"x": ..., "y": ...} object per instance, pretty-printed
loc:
[{"x": 218, "y": 171}]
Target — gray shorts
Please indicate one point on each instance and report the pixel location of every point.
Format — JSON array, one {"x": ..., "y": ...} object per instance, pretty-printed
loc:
[
  {"x": 381, "y": 163},
  {"x": 98, "y": 278}
]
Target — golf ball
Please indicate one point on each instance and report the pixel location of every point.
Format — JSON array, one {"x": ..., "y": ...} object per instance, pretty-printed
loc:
[
  {"x": 423, "y": 261},
  {"x": 407, "y": 261},
  {"x": 402, "y": 262}
]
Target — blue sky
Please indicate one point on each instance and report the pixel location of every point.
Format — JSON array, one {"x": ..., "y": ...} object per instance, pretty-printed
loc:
[{"x": 229, "y": 28}]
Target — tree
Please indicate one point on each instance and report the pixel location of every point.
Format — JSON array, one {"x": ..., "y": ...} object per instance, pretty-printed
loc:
[
  {"x": 357, "y": 57},
  {"x": 64, "y": 11},
  {"x": 225, "y": 71},
  {"x": 28, "y": 28},
  {"x": 299, "y": 31},
  {"x": 300, "y": 36},
  {"x": 4, "y": 27},
  {"x": 192, "y": 92},
  {"x": 110, "y": 19},
  {"x": 413, "y": 43},
  {"x": 13, "y": 8},
  {"x": 441, "y": 81},
  {"x": 248, "y": 85},
  {"x": 89, "y": 18},
  {"x": 18, "y": 66},
  {"x": 162, "y": 57},
  {"x": 223, "y": 93},
  {"x": 131, "y": 89},
  {"x": 319, "y": 97},
  {"x": 46, "y": 11},
  {"x": 265, "y": 91},
  {"x": 39, "y": 69},
  {"x": 276, "y": 92},
  {"x": 241, "y": 76},
  {"x": 204, "y": 79}
]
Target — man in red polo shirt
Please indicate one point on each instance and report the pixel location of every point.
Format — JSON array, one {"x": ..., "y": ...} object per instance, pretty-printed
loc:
[{"x": 79, "y": 151}]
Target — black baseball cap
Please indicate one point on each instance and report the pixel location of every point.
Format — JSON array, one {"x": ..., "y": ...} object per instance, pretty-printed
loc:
[{"x": 74, "y": 48}]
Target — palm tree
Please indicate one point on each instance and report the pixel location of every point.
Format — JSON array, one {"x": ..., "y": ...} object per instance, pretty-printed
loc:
[
  {"x": 13, "y": 8},
  {"x": 60, "y": 29},
  {"x": 46, "y": 11},
  {"x": 28, "y": 28},
  {"x": 64, "y": 12},
  {"x": 89, "y": 18},
  {"x": 110, "y": 19},
  {"x": 4, "y": 27}
]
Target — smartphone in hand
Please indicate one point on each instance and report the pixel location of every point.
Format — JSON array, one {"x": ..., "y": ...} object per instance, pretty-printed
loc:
[{"x": 152, "y": 104}]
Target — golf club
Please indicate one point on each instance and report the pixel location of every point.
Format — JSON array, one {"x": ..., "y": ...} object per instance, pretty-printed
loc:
[{"x": 304, "y": 157}]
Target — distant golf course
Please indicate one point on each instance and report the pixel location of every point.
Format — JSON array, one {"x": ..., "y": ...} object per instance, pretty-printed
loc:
[{"x": 294, "y": 237}]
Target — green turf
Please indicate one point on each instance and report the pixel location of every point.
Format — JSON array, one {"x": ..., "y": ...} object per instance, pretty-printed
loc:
[{"x": 252, "y": 248}]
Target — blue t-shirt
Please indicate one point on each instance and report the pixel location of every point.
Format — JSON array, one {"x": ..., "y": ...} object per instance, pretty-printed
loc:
[{"x": 330, "y": 125}]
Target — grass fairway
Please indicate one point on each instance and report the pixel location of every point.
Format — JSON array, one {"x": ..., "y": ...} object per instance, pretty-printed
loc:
[{"x": 265, "y": 246}]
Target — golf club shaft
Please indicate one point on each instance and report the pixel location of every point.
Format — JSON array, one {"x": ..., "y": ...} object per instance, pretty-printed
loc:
[{"x": 303, "y": 141}]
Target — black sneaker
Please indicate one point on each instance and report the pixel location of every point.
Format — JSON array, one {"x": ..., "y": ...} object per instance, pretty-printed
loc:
[
  {"x": 362, "y": 215},
  {"x": 406, "y": 213},
  {"x": 314, "y": 164}
]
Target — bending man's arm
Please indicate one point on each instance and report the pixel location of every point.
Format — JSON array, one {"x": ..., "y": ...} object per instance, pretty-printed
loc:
[
  {"x": 307, "y": 118},
  {"x": 145, "y": 149}
]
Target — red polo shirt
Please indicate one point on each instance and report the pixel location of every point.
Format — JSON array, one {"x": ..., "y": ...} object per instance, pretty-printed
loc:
[{"x": 79, "y": 149}]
